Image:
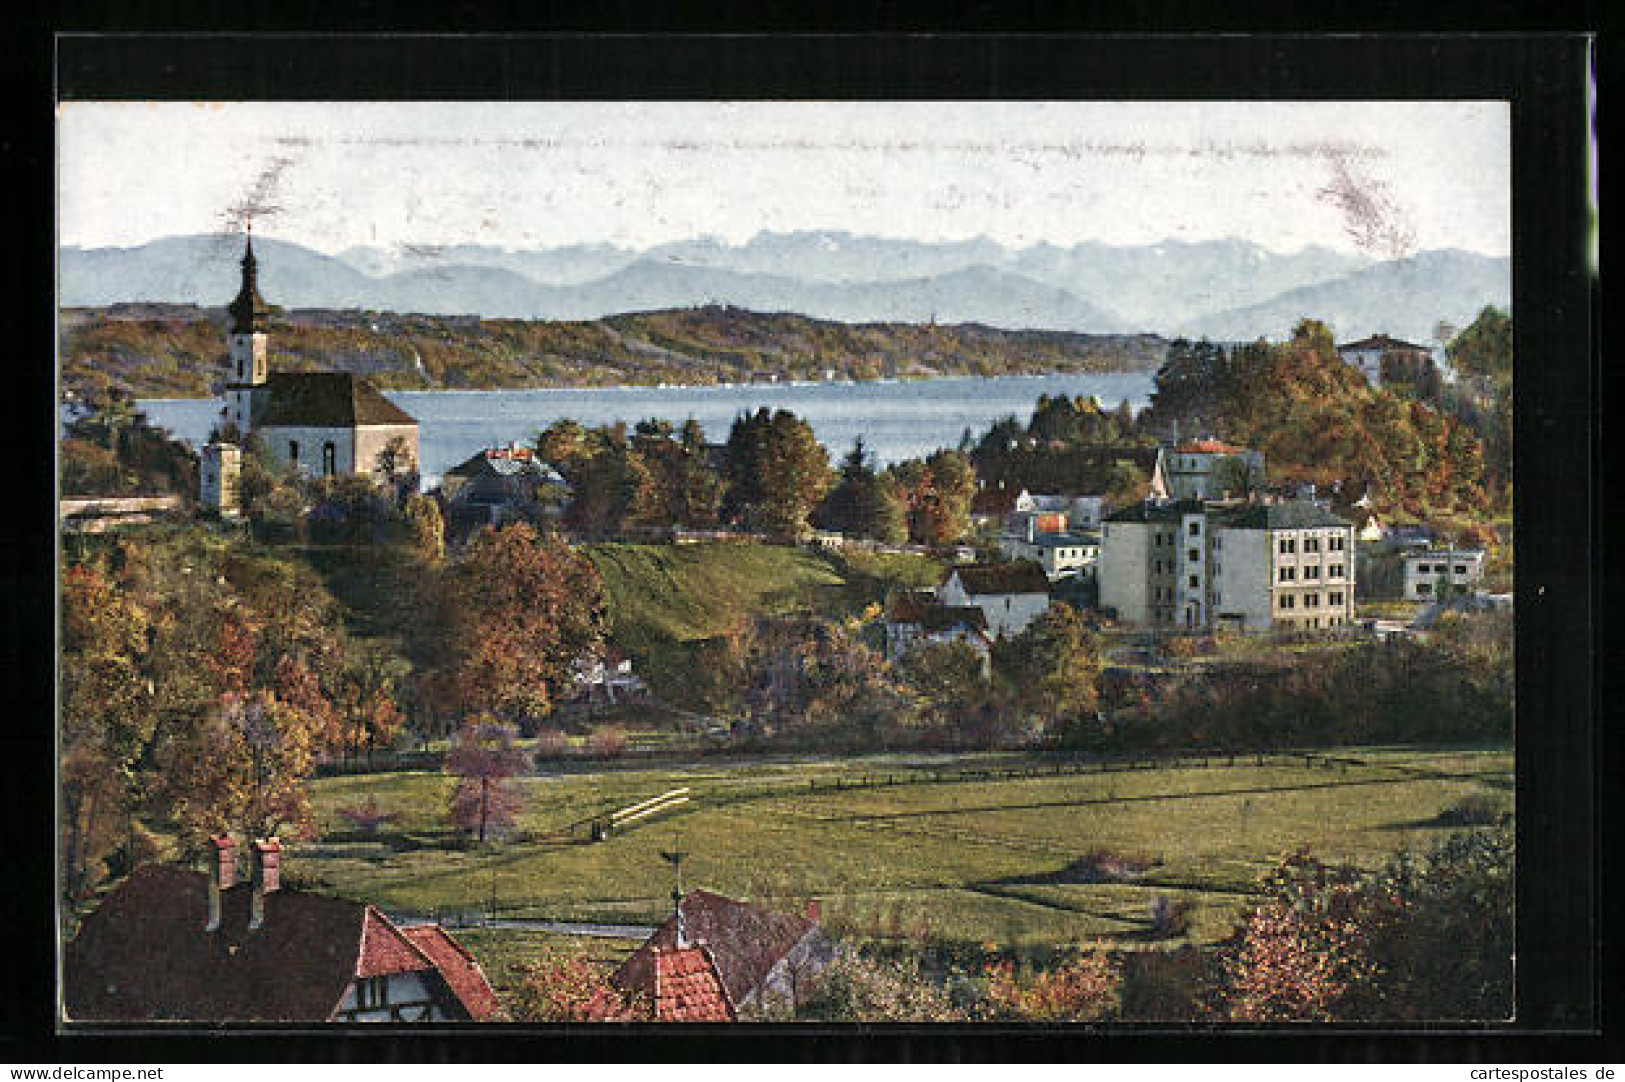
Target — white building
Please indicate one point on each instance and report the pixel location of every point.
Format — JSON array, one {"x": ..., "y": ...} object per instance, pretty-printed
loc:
[
  {"x": 1431, "y": 574},
  {"x": 912, "y": 623},
  {"x": 1059, "y": 554},
  {"x": 1253, "y": 566},
  {"x": 1368, "y": 355},
  {"x": 1011, "y": 596},
  {"x": 316, "y": 423}
]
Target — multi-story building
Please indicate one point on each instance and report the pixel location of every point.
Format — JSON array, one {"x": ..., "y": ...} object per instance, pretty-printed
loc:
[
  {"x": 1205, "y": 470},
  {"x": 1059, "y": 554},
  {"x": 1251, "y": 566},
  {"x": 1431, "y": 574}
]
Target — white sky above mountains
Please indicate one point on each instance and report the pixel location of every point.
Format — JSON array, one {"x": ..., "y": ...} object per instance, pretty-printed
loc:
[{"x": 1379, "y": 178}]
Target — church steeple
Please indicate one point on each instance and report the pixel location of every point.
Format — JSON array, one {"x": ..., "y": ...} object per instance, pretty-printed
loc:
[{"x": 249, "y": 312}]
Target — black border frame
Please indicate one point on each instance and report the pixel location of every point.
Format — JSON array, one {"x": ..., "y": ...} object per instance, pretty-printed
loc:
[{"x": 1560, "y": 744}]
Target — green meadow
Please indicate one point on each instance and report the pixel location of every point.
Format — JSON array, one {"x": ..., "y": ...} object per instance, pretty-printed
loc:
[{"x": 891, "y": 847}]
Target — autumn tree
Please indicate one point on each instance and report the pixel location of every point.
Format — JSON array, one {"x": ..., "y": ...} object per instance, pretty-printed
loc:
[
  {"x": 523, "y": 608},
  {"x": 1052, "y": 668},
  {"x": 939, "y": 496},
  {"x": 107, "y": 719},
  {"x": 863, "y": 503},
  {"x": 485, "y": 759},
  {"x": 776, "y": 471},
  {"x": 426, "y": 527}
]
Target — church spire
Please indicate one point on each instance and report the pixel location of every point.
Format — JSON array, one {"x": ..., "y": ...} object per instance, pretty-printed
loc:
[{"x": 249, "y": 311}]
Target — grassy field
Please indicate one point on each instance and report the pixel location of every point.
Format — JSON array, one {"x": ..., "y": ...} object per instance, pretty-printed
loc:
[
  {"x": 665, "y": 598},
  {"x": 970, "y": 861}
]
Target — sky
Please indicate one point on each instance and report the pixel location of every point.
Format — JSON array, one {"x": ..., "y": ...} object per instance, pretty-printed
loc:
[{"x": 1380, "y": 179}]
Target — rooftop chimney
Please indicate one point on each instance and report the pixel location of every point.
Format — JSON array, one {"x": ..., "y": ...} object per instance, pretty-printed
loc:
[
  {"x": 682, "y": 925},
  {"x": 267, "y": 877},
  {"x": 222, "y": 875}
]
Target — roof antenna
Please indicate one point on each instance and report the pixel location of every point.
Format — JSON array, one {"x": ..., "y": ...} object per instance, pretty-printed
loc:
[{"x": 675, "y": 858}]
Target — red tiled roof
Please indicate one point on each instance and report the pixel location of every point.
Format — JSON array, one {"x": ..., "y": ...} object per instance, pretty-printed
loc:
[
  {"x": 688, "y": 987},
  {"x": 1208, "y": 447},
  {"x": 462, "y": 973},
  {"x": 385, "y": 949},
  {"x": 745, "y": 942}
]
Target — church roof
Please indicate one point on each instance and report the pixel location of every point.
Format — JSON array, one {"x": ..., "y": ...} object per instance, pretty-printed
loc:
[
  {"x": 249, "y": 312},
  {"x": 327, "y": 400}
]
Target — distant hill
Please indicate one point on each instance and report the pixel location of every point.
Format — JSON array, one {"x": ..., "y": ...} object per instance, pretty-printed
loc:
[
  {"x": 157, "y": 350},
  {"x": 1407, "y": 298},
  {"x": 1228, "y": 288}
]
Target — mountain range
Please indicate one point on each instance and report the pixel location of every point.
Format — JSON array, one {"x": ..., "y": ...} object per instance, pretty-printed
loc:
[{"x": 1228, "y": 289}]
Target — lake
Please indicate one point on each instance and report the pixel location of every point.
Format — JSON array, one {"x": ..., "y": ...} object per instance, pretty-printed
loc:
[{"x": 897, "y": 419}]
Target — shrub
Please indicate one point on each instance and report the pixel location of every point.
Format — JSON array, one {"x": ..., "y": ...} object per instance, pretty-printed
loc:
[
  {"x": 366, "y": 818},
  {"x": 560, "y": 987},
  {"x": 551, "y": 744},
  {"x": 608, "y": 743},
  {"x": 1170, "y": 917},
  {"x": 855, "y": 989},
  {"x": 1474, "y": 810},
  {"x": 1085, "y": 989}
]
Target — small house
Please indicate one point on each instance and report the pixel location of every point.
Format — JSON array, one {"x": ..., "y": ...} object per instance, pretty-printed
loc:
[
  {"x": 1010, "y": 595},
  {"x": 762, "y": 958},
  {"x": 175, "y": 945}
]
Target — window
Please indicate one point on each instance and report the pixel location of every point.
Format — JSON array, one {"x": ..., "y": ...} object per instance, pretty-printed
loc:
[
  {"x": 1196, "y": 529},
  {"x": 1311, "y": 572},
  {"x": 293, "y": 452},
  {"x": 1288, "y": 545},
  {"x": 328, "y": 456},
  {"x": 1194, "y": 581},
  {"x": 1311, "y": 544},
  {"x": 1422, "y": 569},
  {"x": 1311, "y": 601},
  {"x": 1289, "y": 574},
  {"x": 1288, "y": 601},
  {"x": 1335, "y": 597},
  {"x": 1195, "y": 554},
  {"x": 1336, "y": 543},
  {"x": 1461, "y": 569},
  {"x": 1336, "y": 571},
  {"x": 1423, "y": 588},
  {"x": 371, "y": 992}
]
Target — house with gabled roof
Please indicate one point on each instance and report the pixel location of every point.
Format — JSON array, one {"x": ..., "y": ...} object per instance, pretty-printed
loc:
[
  {"x": 1380, "y": 355},
  {"x": 503, "y": 484},
  {"x": 1010, "y": 595},
  {"x": 762, "y": 958},
  {"x": 911, "y": 622},
  {"x": 174, "y": 945}
]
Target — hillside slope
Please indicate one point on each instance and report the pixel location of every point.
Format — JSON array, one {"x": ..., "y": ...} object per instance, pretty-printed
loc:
[{"x": 178, "y": 351}]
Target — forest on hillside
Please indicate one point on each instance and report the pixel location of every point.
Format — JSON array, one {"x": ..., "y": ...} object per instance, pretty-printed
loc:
[{"x": 178, "y": 351}]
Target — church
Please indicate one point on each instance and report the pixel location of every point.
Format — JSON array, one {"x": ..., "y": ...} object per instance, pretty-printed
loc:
[{"x": 318, "y": 424}]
